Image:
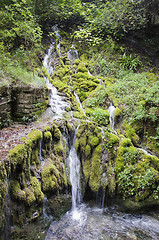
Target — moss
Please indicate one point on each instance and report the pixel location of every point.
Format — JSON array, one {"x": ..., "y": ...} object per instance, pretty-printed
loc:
[
  {"x": 80, "y": 75},
  {"x": 60, "y": 73},
  {"x": 155, "y": 161},
  {"x": 100, "y": 137},
  {"x": 93, "y": 141},
  {"x": 47, "y": 136},
  {"x": 96, "y": 171},
  {"x": 76, "y": 61},
  {"x": 65, "y": 79},
  {"x": 45, "y": 71},
  {"x": 119, "y": 162},
  {"x": 130, "y": 133},
  {"x": 47, "y": 128},
  {"x": 87, "y": 169},
  {"x": 82, "y": 142},
  {"x": 113, "y": 140},
  {"x": 23, "y": 139},
  {"x": 37, "y": 189},
  {"x": 17, "y": 156},
  {"x": 82, "y": 69},
  {"x": 126, "y": 142},
  {"x": 79, "y": 115},
  {"x": 76, "y": 145},
  {"x": 57, "y": 133},
  {"x": 87, "y": 151},
  {"x": 49, "y": 176},
  {"x": 111, "y": 178},
  {"x": 35, "y": 156},
  {"x": 126, "y": 155},
  {"x": 30, "y": 197},
  {"x": 58, "y": 149},
  {"x": 88, "y": 111},
  {"x": 117, "y": 113},
  {"x": 3, "y": 193},
  {"x": 16, "y": 192},
  {"x": 47, "y": 141},
  {"x": 35, "y": 135}
]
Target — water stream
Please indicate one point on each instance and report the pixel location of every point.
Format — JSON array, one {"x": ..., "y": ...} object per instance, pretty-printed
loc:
[
  {"x": 145, "y": 151},
  {"x": 104, "y": 224},
  {"x": 78, "y": 100},
  {"x": 74, "y": 165},
  {"x": 57, "y": 102},
  {"x": 111, "y": 110},
  {"x": 72, "y": 54}
]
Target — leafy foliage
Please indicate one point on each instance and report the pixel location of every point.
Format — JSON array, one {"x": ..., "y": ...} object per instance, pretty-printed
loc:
[
  {"x": 18, "y": 26},
  {"x": 138, "y": 184}
]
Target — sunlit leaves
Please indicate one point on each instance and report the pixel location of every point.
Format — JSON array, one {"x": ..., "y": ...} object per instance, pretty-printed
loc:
[{"x": 18, "y": 26}]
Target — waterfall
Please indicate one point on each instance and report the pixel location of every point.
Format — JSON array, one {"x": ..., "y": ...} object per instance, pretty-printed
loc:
[
  {"x": 40, "y": 151},
  {"x": 72, "y": 54},
  {"x": 57, "y": 102},
  {"x": 74, "y": 165},
  {"x": 146, "y": 152},
  {"x": 111, "y": 110},
  {"x": 46, "y": 214},
  {"x": 78, "y": 100}
]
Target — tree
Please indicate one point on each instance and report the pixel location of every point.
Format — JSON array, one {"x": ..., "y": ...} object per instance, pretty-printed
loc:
[{"x": 18, "y": 26}]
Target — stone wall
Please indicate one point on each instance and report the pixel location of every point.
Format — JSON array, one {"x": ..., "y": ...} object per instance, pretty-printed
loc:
[
  {"x": 28, "y": 102},
  {"x": 21, "y": 103},
  {"x": 5, "y": 106}
]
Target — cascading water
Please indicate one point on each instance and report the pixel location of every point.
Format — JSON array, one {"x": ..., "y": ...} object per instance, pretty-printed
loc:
[
  {"x": 78, "y": 100},
  {"x": 57, "y": 102},
  {"x": 74, "y": 165},
  {"x": 111, "y": 110},
  {"x": 146, "y": 152},
  {"x": 109, "y": 224},
  {"x": 72, "y": 54}
]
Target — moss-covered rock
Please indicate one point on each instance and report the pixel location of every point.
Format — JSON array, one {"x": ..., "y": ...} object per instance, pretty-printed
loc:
[
  {"x": 126, "y": 142},
  {"x": 130, "y": 133},
  {"x": 57, "y": 134},
  {"x": 93, "y": 141},
  {"x": 79, "y": 115},
  {"x": 58, "y": 149},
  {"x": 17, "y": 156},
  {"x": 49, "y": 177},
  {"x": 96, "y": 171},
  {"x": 3, "y": 190},
  {"x": 37, "y": 189},
  {"x": 30, "y": 197},
  {"x": 111, "y": 178},
  {"x": 87, "y": 151},
  {"x": 47, "y": 140},
  {"x": 25, "y": 195}
]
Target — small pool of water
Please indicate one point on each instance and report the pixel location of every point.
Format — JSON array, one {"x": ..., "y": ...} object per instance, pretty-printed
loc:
[{"x": 86, "y": 223}]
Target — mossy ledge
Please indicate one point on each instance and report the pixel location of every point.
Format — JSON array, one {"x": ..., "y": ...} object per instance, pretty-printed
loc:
[{"x": 25, "y": 161}]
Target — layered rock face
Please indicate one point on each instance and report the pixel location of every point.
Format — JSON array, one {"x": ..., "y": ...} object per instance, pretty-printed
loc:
[
  {"x": 28, "y": 102},
  {"x": 21, "y": 103},
  {"x": 5, "y": 106}
]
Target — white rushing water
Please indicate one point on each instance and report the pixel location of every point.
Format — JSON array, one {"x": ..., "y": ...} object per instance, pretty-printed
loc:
[
  {"x": 74, "y": 165},
  {"x": 104, "y": 224},
  {"x": 78, "y": 100},
  {"x": 111, "y": 110},
  {"x": 145, "y": 151},
  {"x": 72, "y": 54},
  {"x": 57, "y": 102}
]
